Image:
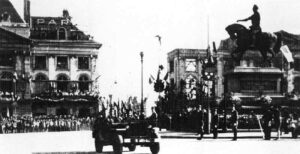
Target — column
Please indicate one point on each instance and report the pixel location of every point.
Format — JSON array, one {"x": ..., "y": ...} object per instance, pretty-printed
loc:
[
  {"x": 220, "y": 71},
  {"x": 52, "y": 67},
  {"x": 73, "y": 68}
]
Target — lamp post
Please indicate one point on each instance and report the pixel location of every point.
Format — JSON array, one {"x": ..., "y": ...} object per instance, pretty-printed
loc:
[{"x": 142, "y": 90}]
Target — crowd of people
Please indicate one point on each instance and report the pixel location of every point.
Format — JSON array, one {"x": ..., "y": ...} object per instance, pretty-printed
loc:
[
  {"x": 25, "y": 124},
  {"x": 194, "y": 120}
]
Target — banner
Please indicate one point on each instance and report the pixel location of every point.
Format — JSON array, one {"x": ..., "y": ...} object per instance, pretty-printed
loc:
[{"x": 287, "y": 53}]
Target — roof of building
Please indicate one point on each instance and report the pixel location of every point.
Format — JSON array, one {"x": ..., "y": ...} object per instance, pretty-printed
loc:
[
  {"x": 6, "y": 6},
  {"x": 187, "y": 52},
  {"x": 15, "y": 35}
]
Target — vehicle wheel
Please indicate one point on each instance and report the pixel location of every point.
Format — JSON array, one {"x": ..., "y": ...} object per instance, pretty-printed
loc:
[
  {"x": 117, "y": 144},
  {"x": 154, "y": 148},
  {"x": 132, "y": 147},
  {"x": 98, "y": 146}
]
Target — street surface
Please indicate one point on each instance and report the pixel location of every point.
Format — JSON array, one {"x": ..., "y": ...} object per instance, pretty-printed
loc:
[{"x": 83, "y": 143}]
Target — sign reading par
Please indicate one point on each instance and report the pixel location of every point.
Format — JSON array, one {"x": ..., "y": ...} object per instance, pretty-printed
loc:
[{"x": 53, "y": 21}]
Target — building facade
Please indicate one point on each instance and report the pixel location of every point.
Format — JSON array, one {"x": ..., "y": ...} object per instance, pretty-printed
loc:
[
  {"x": 15, "y": 47},
  {"x": 48, "y": 65}
]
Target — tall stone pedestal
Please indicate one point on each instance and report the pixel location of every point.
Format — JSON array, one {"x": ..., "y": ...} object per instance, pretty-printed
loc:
[{"x": 250, "y": 80}]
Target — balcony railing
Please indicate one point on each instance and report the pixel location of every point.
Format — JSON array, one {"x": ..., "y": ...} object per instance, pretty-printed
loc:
[{"x": 62, "y": 87}]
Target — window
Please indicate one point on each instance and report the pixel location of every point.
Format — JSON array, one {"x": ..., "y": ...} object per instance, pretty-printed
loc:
[
  {"x": 61, "y": 34},
  {"x": 83, "y": 83},
  {"x": 297, "y": 64},
  {"x": 40, "y": 62},
  {"x": 190, "y": 65},
  {"x": 40, "y": 21},
  {"x": 62, "y": 83},
  {"x": 62, "y": 63},
  {"x": 83, "y": 63},
  {"x": 40, "y": 77},
  {"x": 171, "y": 64},
  {"x": 297, "y": 84},
  {"x": 190, "y": 85},
  {"x": 7, "y": 60},
  {"x": 40, "y": 84},
  {"x": 6, "y": 82}
]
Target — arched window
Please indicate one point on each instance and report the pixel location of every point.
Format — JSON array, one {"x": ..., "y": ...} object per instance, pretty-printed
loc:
[
  {"x": 190, "y": 86},
  {"x": 41, "y": 84},
  {"x": 62, "y": 34},
  {"x": 40, "y": 77},
  {"x": 83, "y": 83},
  {"x": 62, "y": 83},
  {"x": 6, "y": 82}
]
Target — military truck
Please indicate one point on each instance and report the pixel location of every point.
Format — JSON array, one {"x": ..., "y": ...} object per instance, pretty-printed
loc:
[{"x": 126, "y": 134}]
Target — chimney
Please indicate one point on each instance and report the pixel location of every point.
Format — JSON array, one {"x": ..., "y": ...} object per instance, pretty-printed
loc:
[{"x": 27, "y": 11}]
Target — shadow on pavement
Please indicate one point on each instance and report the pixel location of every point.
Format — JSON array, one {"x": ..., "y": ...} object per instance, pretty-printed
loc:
[{"x": 81, "y": 152}]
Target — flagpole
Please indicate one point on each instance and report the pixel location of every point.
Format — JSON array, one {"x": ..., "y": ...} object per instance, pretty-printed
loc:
[
  {"x": 208, "y": 29},
  {"x": 142, "y": 90}
]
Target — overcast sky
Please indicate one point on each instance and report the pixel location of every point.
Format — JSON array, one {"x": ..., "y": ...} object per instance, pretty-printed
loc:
[{"x": 126, "y": 27}]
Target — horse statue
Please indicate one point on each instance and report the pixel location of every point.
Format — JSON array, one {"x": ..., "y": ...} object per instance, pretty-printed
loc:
[{"x": 265, "y": 42}]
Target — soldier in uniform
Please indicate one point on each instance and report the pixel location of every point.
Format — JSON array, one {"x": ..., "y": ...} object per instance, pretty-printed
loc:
[
  {"x": 234, "y": 121},
  {"x": 267, "y": 119},
  {"x": 215, "y": 123},
  {"x": 255, "y": 27},
  {"x": 200, "y": 122}
]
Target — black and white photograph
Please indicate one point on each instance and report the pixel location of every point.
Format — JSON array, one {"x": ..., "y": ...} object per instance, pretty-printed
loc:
[{"x": 149, "y": 76}]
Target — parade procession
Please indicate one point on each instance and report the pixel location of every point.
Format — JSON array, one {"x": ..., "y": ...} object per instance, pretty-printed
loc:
[{"x": 151, "y": 77}]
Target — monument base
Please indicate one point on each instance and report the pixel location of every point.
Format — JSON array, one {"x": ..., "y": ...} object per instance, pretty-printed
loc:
[{"x": 252, "y": 80}]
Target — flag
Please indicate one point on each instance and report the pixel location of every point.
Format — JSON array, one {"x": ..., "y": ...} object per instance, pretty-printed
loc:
[
  {"x": 16, "y": 76},
  {"x": 287, "y": 53},
  {"x": 159, "y": 39},
  {"x": 214, "y": 47},
  {"x": 151, "y": 79},
  {"x": 96, "y": 79},
  {"x": 166, "y": 76}
]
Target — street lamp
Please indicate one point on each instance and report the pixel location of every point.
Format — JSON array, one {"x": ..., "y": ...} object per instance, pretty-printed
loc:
[{"x": 142, "y": 101}]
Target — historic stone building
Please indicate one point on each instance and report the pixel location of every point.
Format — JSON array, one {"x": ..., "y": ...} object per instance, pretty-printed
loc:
[
  {"x": 15, "y": 47},
  {"x": 47, "y": 65},
  {"x": 63, "y": 67}
]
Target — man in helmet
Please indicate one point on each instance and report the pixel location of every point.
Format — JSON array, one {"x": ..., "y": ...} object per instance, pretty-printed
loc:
[{"x": 255, "y": 27}]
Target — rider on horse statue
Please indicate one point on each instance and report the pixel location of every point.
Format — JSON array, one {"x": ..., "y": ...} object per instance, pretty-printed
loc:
[{"x": 255, "y": 27}]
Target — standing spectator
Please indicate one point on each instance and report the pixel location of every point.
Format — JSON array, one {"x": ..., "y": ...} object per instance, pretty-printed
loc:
[
  {"x": 215, "y": 123},
  {"x": 200, "y": 122},
  {"x": 292, "y": 125},
  {"x": 234, "y": 121},
  {"x": 277, "y": 120}
]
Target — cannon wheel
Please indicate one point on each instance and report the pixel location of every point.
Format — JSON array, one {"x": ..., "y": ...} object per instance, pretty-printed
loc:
[
  {"x": 117, "y": 144},
  {"x": 154, "y": 148},
  {"x": 98, "y": 146}
]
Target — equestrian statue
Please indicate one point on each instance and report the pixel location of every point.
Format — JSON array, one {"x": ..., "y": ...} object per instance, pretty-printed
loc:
[{"x": 254, "y": 38}]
